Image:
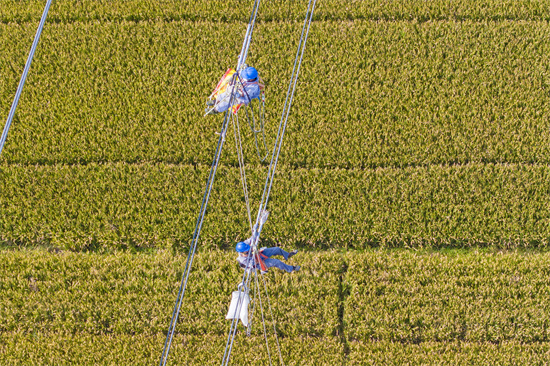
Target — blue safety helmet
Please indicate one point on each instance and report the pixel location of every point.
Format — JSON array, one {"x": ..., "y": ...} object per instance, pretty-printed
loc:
[
  {"x": 249, "y": 74},
  {"x": 242, "y": 247}
]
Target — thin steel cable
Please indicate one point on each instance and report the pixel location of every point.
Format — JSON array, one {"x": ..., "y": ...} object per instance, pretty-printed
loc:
[
  {"x": 248, "y": 36},
  {"x": 192, "y": 249},
  {"x": 251, "y": 317},
  {"x": 231, "y": 337},
  {"x": 282, "y": 126},
  {"x": 261, "y": 102},
  {"x": 242, "y": 171},
  {"x": 204, "y": 204},
  {"x": 273, "y": 322},
  {"x": 286, "y": 109},
  {"x": 24, "y": 76},
  {"x": 233, "y": 328},
  {"x": 263, "y": 319}
]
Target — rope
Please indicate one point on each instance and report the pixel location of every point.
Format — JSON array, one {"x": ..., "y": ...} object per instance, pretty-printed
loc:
[
  {"x": 255, "y": 132},
  {"x": 192, "y": 249},
  {"x": 248, "y": 35},
  {"x": 261, "y": 109},
  {"x": 263, "y": 320},
  {"x": 273, "y": 321},
  {"x": 286, "y": 108},
  {"x": 251, "y": 318},
  {"x": 24, "y": 76},
  {"x": 240, "y": 158},
  {"x": 230, "y": 338}
]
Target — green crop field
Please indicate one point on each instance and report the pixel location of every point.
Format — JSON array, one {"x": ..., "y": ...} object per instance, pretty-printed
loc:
[{"x": 414, "y": 178}]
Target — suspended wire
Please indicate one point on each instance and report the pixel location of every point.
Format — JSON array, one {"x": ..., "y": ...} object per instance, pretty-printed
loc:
[
  {"x": 24, "y": 76},
  {"x": 248, "y": 35},
  {"x": 240, "y": 158},
  {"x": 263, "y": 320},
  {"x": 233, "y": 329},
  {"x": 256, "y": 132},
  {"x": 206, "y": 197},
  {"x": 273, "y": 322},
  {"x": 261, "y": 113},
  {"x": 192, "y": 249},
  {"x": 276, "y": 152},
  {"x": 286, "y": 108},
  {"x": 251, "y": 318}
]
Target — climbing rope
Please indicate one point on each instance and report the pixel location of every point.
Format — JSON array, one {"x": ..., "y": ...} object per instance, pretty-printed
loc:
[
  {"x": 192, "y": 249},
  {"x": 273, "y": 322},
  {"x": 24, "y": 76},
  {"x": 263, "y": 320},
  {"x": 261, "y": 114},
  {"x": 286, "y": 108}
]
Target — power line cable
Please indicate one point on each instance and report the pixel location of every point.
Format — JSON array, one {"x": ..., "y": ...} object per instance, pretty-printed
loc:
[
  {"x": 275, "y": 157},
  {"x": 24, "y": 76}
]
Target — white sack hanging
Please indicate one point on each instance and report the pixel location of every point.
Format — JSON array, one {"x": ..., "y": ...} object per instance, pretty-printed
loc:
[{"x": 238, "y": 309}]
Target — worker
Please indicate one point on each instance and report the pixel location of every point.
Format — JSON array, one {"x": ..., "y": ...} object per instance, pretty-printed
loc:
[
  {"x": 247, "y": 88},
  {"x": 263, "y": 259}
]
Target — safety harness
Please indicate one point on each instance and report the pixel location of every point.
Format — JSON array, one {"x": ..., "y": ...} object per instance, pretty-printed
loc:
[{"x": 260, "y": 258}]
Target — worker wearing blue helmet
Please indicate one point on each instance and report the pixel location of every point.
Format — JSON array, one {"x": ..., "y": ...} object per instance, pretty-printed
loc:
[
  {"x": 248, "y": 88},
  {"x": 262, "y": 260}
]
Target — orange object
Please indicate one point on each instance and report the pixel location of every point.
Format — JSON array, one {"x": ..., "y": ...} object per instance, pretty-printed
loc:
[{"x": 260, "y": 258}]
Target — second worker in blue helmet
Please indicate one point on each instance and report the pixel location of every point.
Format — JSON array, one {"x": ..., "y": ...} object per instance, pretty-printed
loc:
[{"x": 262, "y": 260}]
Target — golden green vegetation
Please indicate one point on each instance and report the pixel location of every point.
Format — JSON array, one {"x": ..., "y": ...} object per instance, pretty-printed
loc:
[
  {"x": 416, "y": 124},
  {"x": 379, "y": 306}
]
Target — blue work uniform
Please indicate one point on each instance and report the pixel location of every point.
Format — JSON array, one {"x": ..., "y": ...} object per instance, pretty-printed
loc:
[{"x": 249, "y": 262}]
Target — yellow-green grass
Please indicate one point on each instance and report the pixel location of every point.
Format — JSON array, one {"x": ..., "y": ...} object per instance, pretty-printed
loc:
[
  {"x": 278, "y": 10},
  {"x": 120, "y": 206},
  {"x": 377, "y": 307},
  {"x": 404, "y": 297},
  {"x": 371, "y": 94}
]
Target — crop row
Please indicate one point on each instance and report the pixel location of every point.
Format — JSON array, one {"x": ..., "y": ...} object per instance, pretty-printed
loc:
[
  {"x": 111, "y": 206},
  {"x": 396, "y": 307},
  {"x": 123, "y": 293},
  {"x": 52, "y": 348},
  {"x": 403, "y": 297},
  {"x": 280, "y": 10},
  {"x": 448, "y": 353},
  {"x": 370, "y": 94},
  {"x": 23, "y": 349}
]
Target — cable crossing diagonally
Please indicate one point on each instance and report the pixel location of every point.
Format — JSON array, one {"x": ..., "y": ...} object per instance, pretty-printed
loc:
[
  {"x": 269, "y": 181},
  {"x": 206, "y": 197},
  {"x": 24, "y": 76}
]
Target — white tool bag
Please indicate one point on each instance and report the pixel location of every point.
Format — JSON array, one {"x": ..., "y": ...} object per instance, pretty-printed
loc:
[{"x": 238, "y": 309}]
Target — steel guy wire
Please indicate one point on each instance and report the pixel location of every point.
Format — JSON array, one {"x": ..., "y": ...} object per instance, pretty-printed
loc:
[
  {"x": 204, "y": 204},
  {"x": 240, "y": 158},
  {"x": 286, "y": 108},
  {"x": 263, "y": 320},
  {"x": 24, "y": 76},
  {"x": 196, "y": 234},
  {"x": 280, "y": 136}
]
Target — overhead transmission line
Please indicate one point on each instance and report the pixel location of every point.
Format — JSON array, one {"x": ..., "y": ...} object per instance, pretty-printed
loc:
[
  {"x": 267, "y": 188},
  {"x": 269, "y": 183},
  {"x": 208, "y": 190},
  {"x": 24, "y": 76}
]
